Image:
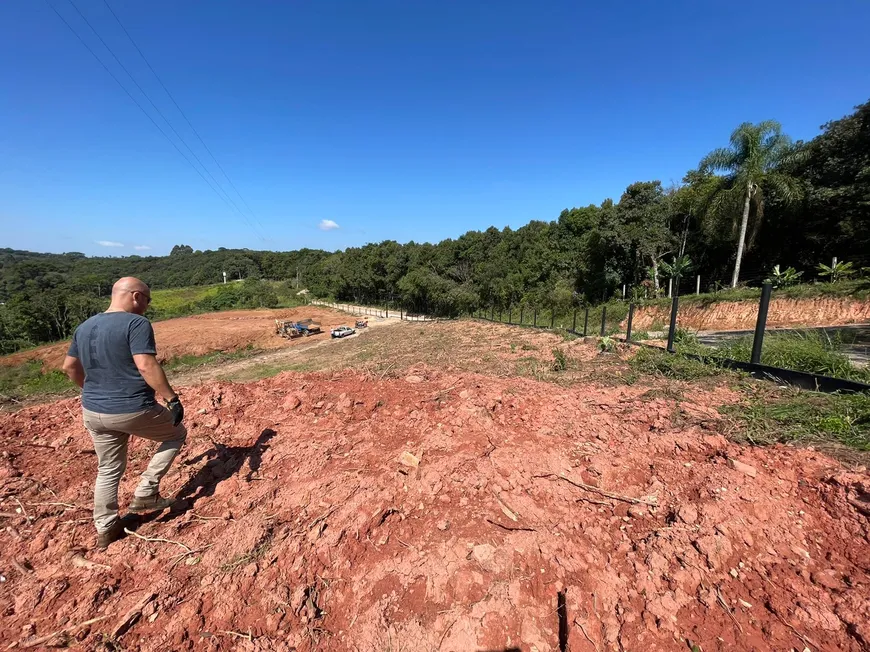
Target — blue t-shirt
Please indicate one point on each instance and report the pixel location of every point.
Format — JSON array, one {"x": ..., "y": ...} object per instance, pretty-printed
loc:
[{"x": 105, "y": 344}]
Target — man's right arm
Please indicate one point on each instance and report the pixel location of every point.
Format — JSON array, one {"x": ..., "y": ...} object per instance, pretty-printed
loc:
[{"x": 154, "y": 375}]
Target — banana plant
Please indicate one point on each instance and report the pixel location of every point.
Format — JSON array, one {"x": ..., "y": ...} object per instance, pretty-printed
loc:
[
  {"x": 781, "y": 278},
  {"x": 836, "y": 272},
  {"x": 676, "y": 268}
]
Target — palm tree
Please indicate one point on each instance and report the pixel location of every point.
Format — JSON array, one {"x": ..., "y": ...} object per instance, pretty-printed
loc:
[{"x": 756, "y": 158}]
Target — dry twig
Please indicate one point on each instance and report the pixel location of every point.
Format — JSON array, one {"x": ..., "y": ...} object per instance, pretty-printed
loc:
[
  {"x": 248, "y": 637},
  {"x": 23, "y": 511},
  {"x": 66, "y": 505},
  {"x": 444, "y": 635},
  {"x": 727, "y": 609},
  {"x": 512, "y": 528},
  {"x": 583, "y": 629},
  {"x": 600, "y": 492},
  {"x": 157, "y": 540},
  {"x": 67, "y": 630}
]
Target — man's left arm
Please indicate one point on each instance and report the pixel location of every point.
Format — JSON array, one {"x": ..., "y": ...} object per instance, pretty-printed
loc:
[
  {"x": 74, "y": 370},
  {"x": 72, "y": 366}
]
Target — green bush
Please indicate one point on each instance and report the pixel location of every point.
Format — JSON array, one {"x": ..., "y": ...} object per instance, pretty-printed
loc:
[{"x": 560, "y": 362}]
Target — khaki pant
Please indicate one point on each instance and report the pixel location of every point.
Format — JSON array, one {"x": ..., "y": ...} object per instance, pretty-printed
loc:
[{"x": 110, "y": 433}]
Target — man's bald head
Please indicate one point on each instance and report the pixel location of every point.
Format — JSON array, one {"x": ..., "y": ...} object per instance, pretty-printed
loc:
[
  {"x": 129, "y": 294},
  {"x": 129, "y": 284}
]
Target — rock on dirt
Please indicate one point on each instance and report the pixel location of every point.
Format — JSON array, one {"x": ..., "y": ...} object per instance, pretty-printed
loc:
[
  {"x": 409, "y": 459},
  {"x": 743, "y": 467}
]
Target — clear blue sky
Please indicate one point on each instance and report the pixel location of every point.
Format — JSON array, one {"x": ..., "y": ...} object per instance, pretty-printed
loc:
[{"x": 406, "y": 120}]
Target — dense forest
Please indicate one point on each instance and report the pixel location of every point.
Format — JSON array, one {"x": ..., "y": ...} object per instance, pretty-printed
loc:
[{"x": 760, "y": 201}]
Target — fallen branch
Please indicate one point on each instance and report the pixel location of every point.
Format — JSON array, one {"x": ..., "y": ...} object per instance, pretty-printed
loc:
[
  {"x": 512, "y": 528},
  {"x": 248, "y": 637},
  {"x": 157, "y": 540},
  {"x": 600, "y": 492},
  {"x": 130, "y": 618},
  {"x": 67, "y": 631}
]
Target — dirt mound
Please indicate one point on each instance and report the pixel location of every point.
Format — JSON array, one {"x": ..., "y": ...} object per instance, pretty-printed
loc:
[
  {"x": 741, "y": 315},
  {"x": 200, "y": 334},
  {"x": 438, "y": 511}
]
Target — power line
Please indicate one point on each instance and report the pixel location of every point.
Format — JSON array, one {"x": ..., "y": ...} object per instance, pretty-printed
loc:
[
  {"x": 181, "y": 111},
  {"x": 141, "y": 108},
  {"x": 160, "y": 113}
]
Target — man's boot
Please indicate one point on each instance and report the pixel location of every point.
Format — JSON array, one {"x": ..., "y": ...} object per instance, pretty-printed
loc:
[
  {"x": 150, "y": 504},
  {"x": 108, "y": 536}
]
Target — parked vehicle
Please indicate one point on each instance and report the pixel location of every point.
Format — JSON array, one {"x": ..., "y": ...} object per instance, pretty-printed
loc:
[
  {"x": 293, "y": 329},
  {"x": 342, "y": 331}
]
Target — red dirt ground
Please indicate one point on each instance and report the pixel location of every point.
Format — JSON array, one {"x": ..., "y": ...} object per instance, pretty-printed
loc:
[
  {"x": 201, "y": 334},
  {"x": 308, "y": 532},
  {"x": 741, "y": 315}
]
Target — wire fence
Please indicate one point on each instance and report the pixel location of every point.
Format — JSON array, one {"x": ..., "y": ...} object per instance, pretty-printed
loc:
[{"x": 825, "y": 358}]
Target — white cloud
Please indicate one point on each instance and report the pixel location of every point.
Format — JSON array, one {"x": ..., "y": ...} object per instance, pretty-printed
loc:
[
  {"x": 327, "y": 225},
  {"x": 109, "y": 243},
  {"x": 141, "y": 247}
]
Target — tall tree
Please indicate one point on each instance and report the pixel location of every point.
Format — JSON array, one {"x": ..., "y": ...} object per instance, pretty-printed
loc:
[{"x": 755, "y": 158}]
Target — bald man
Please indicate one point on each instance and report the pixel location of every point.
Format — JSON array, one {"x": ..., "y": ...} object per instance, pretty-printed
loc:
[{"x": 113, "y": 359}]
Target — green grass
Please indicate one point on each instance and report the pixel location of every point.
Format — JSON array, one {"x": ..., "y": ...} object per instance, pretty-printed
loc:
[
  {"x": 250, "y": 294},
  {"x": 658, "y": 362},
  {"x": 804, "y": 418},
  {"x": 28, "y": 380},
  {"x": 188, "y": 362},
  {"x": 811, "y": 352}
]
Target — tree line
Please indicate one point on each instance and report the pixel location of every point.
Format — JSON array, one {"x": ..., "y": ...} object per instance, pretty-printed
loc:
[{"x": 761, "y": 201}]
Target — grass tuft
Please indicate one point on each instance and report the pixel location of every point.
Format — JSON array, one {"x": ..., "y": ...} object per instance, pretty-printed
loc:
[
  {"x": 661, "y": 363},
  {"x": 802, "y": 417}
]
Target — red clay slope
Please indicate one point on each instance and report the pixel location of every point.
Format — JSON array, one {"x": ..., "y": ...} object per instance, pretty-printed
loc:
[
  {"x": 308, "y": 533},
  {"x": 741, "y": 315}
]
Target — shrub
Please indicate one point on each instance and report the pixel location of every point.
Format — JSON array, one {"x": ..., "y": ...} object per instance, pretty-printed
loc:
[{"x": 560, "y": 362}]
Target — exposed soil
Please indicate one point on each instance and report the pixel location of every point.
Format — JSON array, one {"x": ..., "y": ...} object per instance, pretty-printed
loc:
[
  {"x": 304, "y": 524},
  {"x": 741, "y": 315},
  {"x": 218, "y": 331}
]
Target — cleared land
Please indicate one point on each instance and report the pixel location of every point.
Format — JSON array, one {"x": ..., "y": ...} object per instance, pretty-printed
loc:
[
  {"x": 197, "y": 335},
  {"x": 454, "y": 486}
]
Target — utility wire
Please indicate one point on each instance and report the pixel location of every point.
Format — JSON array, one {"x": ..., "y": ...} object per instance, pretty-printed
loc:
[
  {"x": 140, "y": 107},
  {"x": 183, "y": 114},
  {"x": 165, "y": 119}
]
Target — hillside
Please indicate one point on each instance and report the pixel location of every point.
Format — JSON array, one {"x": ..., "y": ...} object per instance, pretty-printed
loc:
[{"x": 444, "y": 485}]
